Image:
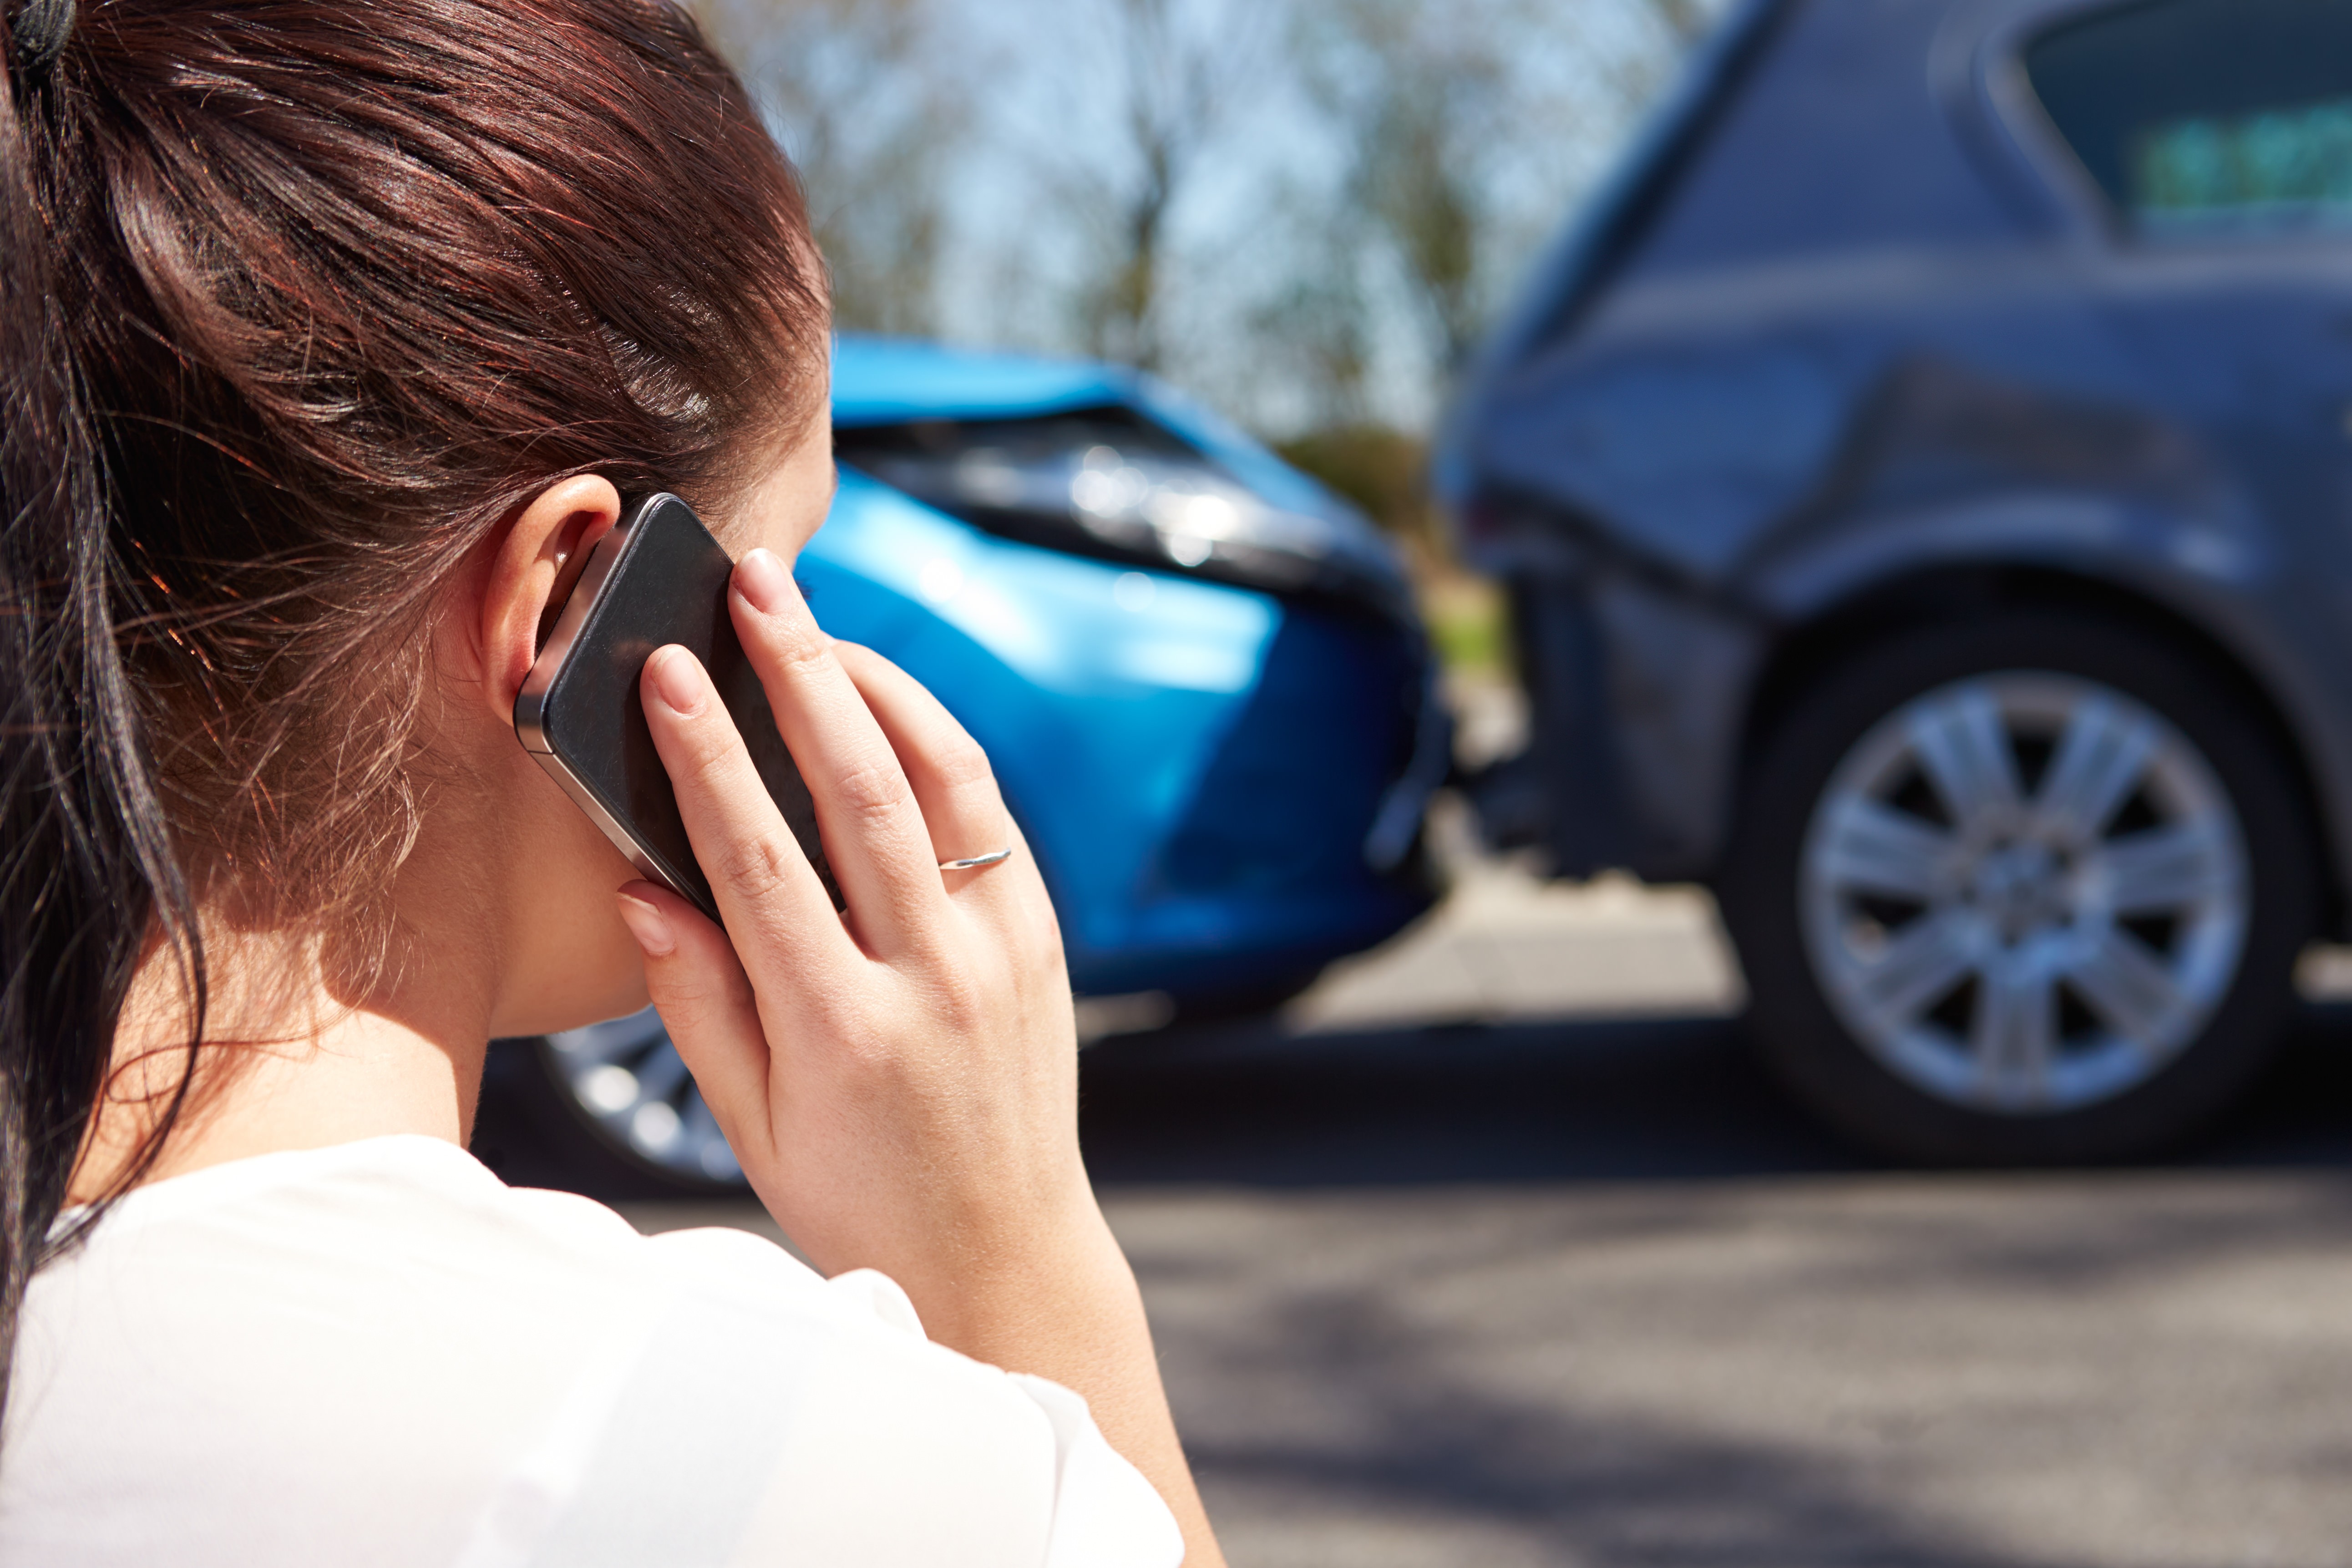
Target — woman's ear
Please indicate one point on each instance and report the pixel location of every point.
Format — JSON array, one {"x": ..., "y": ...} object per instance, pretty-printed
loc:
[{"x": 532, "y": 573}]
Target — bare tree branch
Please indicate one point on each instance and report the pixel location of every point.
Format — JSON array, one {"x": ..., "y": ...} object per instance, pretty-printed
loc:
[
  {"x": 865, "y": 97},
  {"x": 1176, "y": 69}
]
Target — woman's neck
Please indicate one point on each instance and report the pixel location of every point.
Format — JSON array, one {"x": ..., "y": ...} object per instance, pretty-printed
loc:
[
  {"x": 296, "y": 1053},
  {"x": 502, "y": 922}
]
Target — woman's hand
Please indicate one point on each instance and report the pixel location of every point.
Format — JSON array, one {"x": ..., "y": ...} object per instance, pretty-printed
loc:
[{"x": 898, "y": 1081}]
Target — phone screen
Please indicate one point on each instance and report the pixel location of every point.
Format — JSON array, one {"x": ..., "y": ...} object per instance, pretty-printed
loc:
[{"x": 658, "y": 577}]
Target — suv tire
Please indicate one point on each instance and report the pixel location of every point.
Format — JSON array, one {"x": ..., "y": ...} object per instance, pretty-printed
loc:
[{"x": 2083, "y": 963}]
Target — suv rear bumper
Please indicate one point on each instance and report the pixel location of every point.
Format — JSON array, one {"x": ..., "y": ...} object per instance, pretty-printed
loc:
[{"x": 1636, "y": 699}]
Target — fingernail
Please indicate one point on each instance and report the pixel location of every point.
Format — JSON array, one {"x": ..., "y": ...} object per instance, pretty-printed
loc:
[
  {"x": 676, "y": 681},
  {"x": 648, "y": 924},
  {"x": 766, "y": 586}
]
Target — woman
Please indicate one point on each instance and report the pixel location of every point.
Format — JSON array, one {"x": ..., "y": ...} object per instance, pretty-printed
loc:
[{"x": 335, "y": 335}]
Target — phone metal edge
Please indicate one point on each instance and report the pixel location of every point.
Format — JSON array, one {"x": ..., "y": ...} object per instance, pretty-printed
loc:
[
  {"x": 531, "y": 702},
  {"x": 586, "y": 800}
]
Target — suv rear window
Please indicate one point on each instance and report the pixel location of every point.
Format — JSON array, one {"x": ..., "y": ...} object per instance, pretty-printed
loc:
[{"x": 2209, "y": 116}]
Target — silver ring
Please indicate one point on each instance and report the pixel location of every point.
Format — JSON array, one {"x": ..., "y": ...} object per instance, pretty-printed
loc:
[{"x": 977, "y": 861}]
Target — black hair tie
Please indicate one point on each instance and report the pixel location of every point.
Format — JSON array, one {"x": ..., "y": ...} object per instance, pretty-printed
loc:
[{"x": 37, "y": 31}]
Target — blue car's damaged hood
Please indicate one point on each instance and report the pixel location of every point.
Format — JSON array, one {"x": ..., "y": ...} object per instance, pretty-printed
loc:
[{"x": 888, "y": 381}]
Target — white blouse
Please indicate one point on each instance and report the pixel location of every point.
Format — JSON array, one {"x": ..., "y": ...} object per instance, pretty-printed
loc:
[{"x": 380, "y": 1354}]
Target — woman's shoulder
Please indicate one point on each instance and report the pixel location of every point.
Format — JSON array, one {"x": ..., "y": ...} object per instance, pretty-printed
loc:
[
  {"x": 401, "y": 1215},
  {"x": 382, "y": 1343},
  {"x": 382, "y": 1232}
]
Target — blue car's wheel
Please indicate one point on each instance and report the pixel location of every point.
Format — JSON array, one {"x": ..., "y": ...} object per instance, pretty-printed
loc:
[{"x": 621, "y": 1113}]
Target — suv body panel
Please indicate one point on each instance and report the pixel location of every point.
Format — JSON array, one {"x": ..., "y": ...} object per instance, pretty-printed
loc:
[{"x": 1874, "y": 324}]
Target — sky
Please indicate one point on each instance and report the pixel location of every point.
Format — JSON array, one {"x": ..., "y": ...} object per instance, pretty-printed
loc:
[{"x": 1018, "y": 109}]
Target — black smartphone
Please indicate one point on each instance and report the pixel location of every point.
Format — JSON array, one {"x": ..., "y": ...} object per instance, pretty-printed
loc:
[{"x": 658, "y": 577}]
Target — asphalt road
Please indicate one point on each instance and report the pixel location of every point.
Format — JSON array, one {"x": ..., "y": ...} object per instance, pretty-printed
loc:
[
  {"x": 1581, "y": 1293},
  {"x": 1593, "y": 1293},
  {"x": 1498, "y": 1250}
]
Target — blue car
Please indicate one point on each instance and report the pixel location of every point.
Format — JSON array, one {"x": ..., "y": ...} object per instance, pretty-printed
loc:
[{"x": 1199, "y": 674}]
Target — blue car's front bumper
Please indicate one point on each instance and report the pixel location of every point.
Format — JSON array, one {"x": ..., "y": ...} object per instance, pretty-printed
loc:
[{"x": 1207, "y": 774}]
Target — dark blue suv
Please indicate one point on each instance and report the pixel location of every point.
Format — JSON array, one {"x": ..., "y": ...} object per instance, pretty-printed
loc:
[{"x": 1925, "y": 484}]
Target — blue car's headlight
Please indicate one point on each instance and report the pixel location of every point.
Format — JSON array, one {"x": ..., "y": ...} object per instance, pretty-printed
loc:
[{"x": 1109, "y": 483}]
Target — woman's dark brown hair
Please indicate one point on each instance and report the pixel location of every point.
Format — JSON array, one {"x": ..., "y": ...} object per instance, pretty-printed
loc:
[{"x": 298, "y": 301}]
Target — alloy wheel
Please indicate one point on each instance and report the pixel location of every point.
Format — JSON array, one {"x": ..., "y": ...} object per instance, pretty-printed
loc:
[
  {"x": 627, "y": 1079},
  {"x": 2025, "y": 893}
]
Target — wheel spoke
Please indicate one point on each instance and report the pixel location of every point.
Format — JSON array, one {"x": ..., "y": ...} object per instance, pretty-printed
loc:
[
  {"x": 705, "y": 1142},
  {"x": 661, "y": 1072},
  {"x": 2013, "y": 948},
  {"x": 1962, "y": 745},
  {"x": 701, "y": 1126},
  {"x": 2128, "y": 988},
  {"x": 1924, "y": 961},
  {"x": 1874, "y": 849},
  {"x": 2176, "y": 867},
  {"x": 2014, "y": 1033},
  {"x": 2100, "y": 757},
  {"x": 628, "y": 1076},
  {"x": 617, "y": 1039}
]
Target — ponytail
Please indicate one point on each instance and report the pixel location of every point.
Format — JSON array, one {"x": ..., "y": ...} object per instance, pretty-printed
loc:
[{"x": 87, "y": 874}]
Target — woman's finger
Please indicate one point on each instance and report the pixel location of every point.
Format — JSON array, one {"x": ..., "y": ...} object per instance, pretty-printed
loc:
[
  {"x": 872, "y": 828},
  {"x": 774, "y": 906},
  {"x": 949, "y": 773},
  {"x": 706, "y": 1004}
]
